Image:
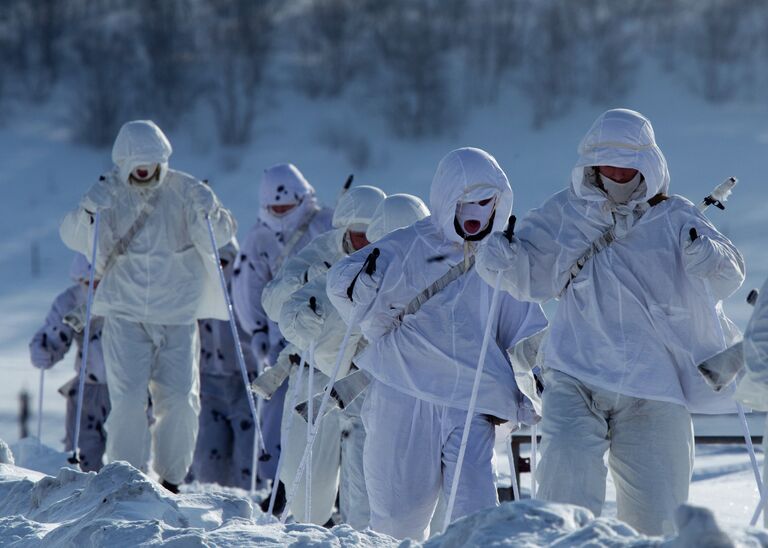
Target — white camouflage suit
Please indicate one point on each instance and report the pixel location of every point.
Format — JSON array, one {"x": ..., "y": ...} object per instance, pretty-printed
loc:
[
  {"x": 269, "y": 243},
  {"x": 423, "y": 364},
  {"x": 151, "y": 294},
  {"x": 752, "y": 389},
  {"x": 286, "y": 299},
  {"x": 620, "y": 358},
  {"x": 49, "y": 345},
  {"x": 224, "y": 450}
]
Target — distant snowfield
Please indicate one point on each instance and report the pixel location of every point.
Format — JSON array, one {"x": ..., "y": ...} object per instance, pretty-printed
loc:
[{"x": 43, "y": 175}]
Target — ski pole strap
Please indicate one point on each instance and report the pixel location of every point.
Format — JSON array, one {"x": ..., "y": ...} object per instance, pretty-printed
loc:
[{"x": 294, "y": 239}]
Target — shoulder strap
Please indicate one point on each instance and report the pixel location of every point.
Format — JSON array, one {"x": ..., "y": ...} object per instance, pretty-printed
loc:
[
  {"x": 294, "y": 239},
  {"x": 603, "y": 241},
  {"x": 125, "y": 240},
  {"x": 437, "y": 286}
]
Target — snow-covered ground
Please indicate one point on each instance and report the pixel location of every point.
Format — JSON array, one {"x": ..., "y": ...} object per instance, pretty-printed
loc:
[
  {"x": 44, "y": 173},
  {"x": 120, "y": 506}
]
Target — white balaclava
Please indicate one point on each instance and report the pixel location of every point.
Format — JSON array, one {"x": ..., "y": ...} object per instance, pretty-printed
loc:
[
  {"x": 473, "y": 217},
  {"x": 284, "y": 184},
  {"x": 620, "y": 193}
]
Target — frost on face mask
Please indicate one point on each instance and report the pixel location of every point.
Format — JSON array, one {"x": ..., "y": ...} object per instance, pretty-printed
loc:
[
  {"x": 474, "y": 217},
  {"x": 620, "y": 193}
]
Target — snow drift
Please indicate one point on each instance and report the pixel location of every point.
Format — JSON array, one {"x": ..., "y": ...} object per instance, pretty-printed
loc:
[{"x": 120, "y": 506}]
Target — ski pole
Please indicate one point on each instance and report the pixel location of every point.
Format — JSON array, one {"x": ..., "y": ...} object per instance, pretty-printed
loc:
[
  {"x": 40, "y": 407},
  {"x": 310, "y": 422},
  {"x": 513, "y": 468},
  {"x": 534, "y": 456},
  {"x": 75, "y": 458},
  {"x": 764, "y": 493},
  {"x": 476, "y": 384},
  {"x": 239, "y": 353},
  {"x": 750, "y": 447},
  {"x": 345, "y": 187},
  {"x": 288, "y": 428}
]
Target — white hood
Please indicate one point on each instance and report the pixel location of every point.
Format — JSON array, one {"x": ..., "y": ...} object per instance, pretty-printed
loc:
[
  {"x": 397, "y": 211},
  {"x": 140, "y": 142},
  {"x": 357, "y": 205},
  {"x": 621, "y": 138},
  {"x": 464, "y": 175},
  {"x": 285, "y": 184}
]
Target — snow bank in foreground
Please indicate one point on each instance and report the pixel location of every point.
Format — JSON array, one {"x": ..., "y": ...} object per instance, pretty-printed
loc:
[
  {"x": 6, "y": 456},
  {"x": 120, "y": 506},
  {"x": 532, "y": 523}
]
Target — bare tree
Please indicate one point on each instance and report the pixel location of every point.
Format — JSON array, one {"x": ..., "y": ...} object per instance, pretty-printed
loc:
[
  {"x": 549, "y": 80},
  {"x": 37, "y": 27},
  {"x": 721, "y": 49},
  {"x": 240, "y": 40},
  {"x": 170, "y": 85},
  {"x": 417, "y": 99},
  {"x": 105, "y": 81},
  {"x": 327, "y": 34},
  {"x": 609, "y": 39},
  {"x": 493, "y": 45}
]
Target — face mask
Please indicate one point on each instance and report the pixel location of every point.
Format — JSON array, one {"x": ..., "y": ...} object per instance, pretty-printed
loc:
[
  {"x": 620, "y": 193},
  {"x": 145, "y": 174},
  {"x": 281, "y": 210},
  {"x": 473, "y": 217}
]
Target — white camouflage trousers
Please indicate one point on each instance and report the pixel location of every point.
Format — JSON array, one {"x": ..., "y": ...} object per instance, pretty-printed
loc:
[
  {"x": 650, "y": 446},
  {"x": 161, "y": 360},
  {"x": 326, "y": 455},
  {"x": 410, "y": 455}
]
